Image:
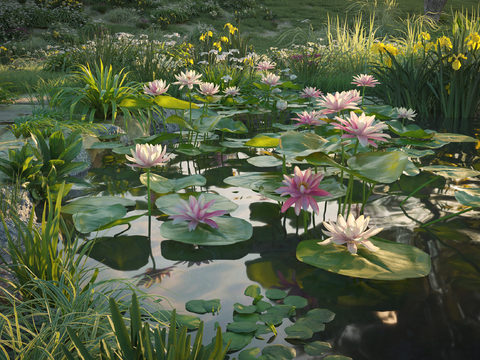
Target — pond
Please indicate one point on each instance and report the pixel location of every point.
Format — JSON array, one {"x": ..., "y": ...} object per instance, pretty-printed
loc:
[{"x": 428, "y": 317}]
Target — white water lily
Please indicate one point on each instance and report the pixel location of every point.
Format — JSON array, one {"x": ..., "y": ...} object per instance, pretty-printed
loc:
[{"x": 352, "y": 232}]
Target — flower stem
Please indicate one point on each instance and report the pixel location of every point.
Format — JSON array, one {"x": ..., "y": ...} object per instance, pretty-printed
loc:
[
  {"x": 305, "y": 224},
  {"x": 150, "y": 217}
]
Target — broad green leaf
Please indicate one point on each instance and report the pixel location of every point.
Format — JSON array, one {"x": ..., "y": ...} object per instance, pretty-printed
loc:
[
  {"x": 264, "y": 161},
  {"x": 190, "y": 321},
  {"x": 127, "y": 150},
  {"x": 169, "y": 102},
  {"x": 282, "y": 310},
  {"x": 411, "y": 169},
  {"x": 231, "y": 230},
  {"x": 253, "y": 180},
  {"x": 317, "y": 348},
  {"x": 298, "y": 332},
  {"x": 228, "y": 125},
  {"x": 310, "y": 323},
  {"x": 275, "y": 294},
  {"x": 296, "y": 301},
  {"x": 430, "y": 144},
  {"x": 290, "y": 85},
  {"x": 451, "y": 171},
  {"x": 382, "y": 112},
  {"x": 203, "y": 306},
  {"x": 234, "y": 143},
  {"x": 384, "y": 167},
  {"x": 246, "y": 317},
  {"x": 155, "y": 139},
  {"x": 468, "y": 197},
  {"x": 188, "y": 149},
  {"x": 122, "y": 221},
  {"x": 175, "y": 119},
  {"x": 167, "y": 202},
  {"x": 279, "y": 352},
  {"x": 264, "y": 141},
  {"x": 205, "y": 149},
  {"x": 135, "y": 103},
  {"x": 294, "y": 143},
  {"x": 449, "y": 137},
  {"x": 262, "y": 330},
  {"x": 285, "y": 127},
  {"x": 106, "y": 145},
  {"x": 417, "y": 153},
  {"x": 91, "y": 220},
  {"x": 412, "y": 131},
  {"x": 206, "y": 123},
  {"x": 270, "y": 318},
  {"x": 124, "y": 253},
  {"x": 322, "y": 315},
  {"x": 249, "y": 354},
  {"x": 239, "y": 340},
  {"x": 252, "y": 291},
  {"x": 244, "y": 309},
  {"x": 242, "y": 327},
  {"x": 162, "y": 185},
  {"x": 393, "y": 261},
  {"x": 212, "y": 306},
  {"x": 92, "y": 203},
  {"x": 262, "y": 306}
]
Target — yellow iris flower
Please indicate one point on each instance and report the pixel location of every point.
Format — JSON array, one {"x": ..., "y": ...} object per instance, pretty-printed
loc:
[{"x": 455, "y": 60}]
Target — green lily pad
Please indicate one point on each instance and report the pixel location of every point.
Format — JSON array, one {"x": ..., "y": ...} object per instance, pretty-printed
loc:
[
  {"x": 156, "y": 139},
  {"x": 166, "y": 203},
  {"x": 297, "y": 301},
  {"x": 451, "y": 171},
  {"x": 262, "y": 330},
  {"x": 190, "y": 321},
  {"x": 252, "y": 291},
  {"x": 228, "y": 125},
  {"x": 203, "y": 306},
  {"x": 249, "y": 354},
  {"x": 430, "y": 144},
  {"x": 188, "y": 149},
  {"x": 242, "y": 327},
  {"x": 234, "y": 143},
  {"x": 393, "y": 261},
  {"x": 246, "y": 317},
  {"x": 169, "y": 102},
  {"x": 412, "y": 131},
  {"x": 311, "y": 323},
  {"x": 282, "y": 310},
  {"x": 264, "y": 141},
  {"x": 293, "y": 143},
  {"x": 239, "y": 340},
  {"x": 263, "y": 306},
  {"x": 162, "y": 185},
  {"x": 126, "y": 150},
  {"x": 382, "y": 112},
  {"x": 411, "y": 169},
  {"x": 322, "y": 315},
  {"x": 206, "y": 124},
  {"x": 417, "y": 153},
  {"x": 317, "y": 348},
  {"x": 391, "y": 164},
  {"x": 284, "y": 127},
  {"x": 298, "y": 332},
  {"x": 106, "y": 145},
  {"x": 244, "y": 309},
  {"x": 124, "y": 253},
  {"x": 175, "y": 119},
  {"x": 253, "y": 180},
  {"x": 91, "y": 220},
  {"x": 231, "y": 230},
  {"x": 450, "y": 137},
  {"x": 264, "y": 161},
  {"x": 275, "y": 294},
  {"x": 205, "y": 149},
  {"x": 122, "y": 221},
  {"x": 92, "y": 203},
  {"x": 468, "y": 197},
  {"x": 278, "y": 352},
  {"x": 270, "y": 318}
]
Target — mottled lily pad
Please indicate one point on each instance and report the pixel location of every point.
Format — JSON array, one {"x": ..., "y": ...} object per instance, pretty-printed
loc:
[
  {"x": 298, "y": 332},
  {"x": 242, "y": 327},
  {"x": 92, "y": 203},
  {"x": 162, "y": 185},
  {"x": 451, "y": 171},
  {"x": 279, "y": 352},
  {"x": 275, "y": 294},
  {"x": 166, "y": 203},
  {"x": 203, "y": 306},
  {"x": 317, "y": 348},
  {"x": 243, "y": 309}
]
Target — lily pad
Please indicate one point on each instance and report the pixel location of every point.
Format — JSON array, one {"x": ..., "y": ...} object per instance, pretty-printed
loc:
[
  {"x": 203, "y": 306},
  {"x": 270, "y": 318},
  {"x": 417, "y": 153},
  {"x": 264, "y": 141},
  {"x": 264, "y": 161},
  {"x": 228, "y": 125},
  {"x": 231, "y": 230},
  {"x": 162, "y": 185},
  {"x": 166, "y": 203},
  {"x": 391, "y": 164},
  {"x": 91, "y": 220},
  {"x": 311, "y": 323},
  {"x": 190, "y": 321},
  {"x": 275, "y": 294},
  {"x": 262, "y": 330},
  {"x": 156, "y": 139},
  {"x": 263, "y": 306},
  {"x": 246, "y": 317},
  {"x": 253, "y": 180},
  {"x": 106, "y": 145},
  {"x": 239, "y": 340},
  {"x": 188, "y": 149},
  {"x": 322, "y": 315},
  {"x": 279, "y": 352},
  {"x": 296, "y": 301},
  {"x": 92, "y": 203},
  {"x": 449, "y": 137},
  {"x": 252, "y": 291},
  {"x": 244, "y": 309},
  {"x": 298, "y": 332},
  {"x": 393, "y": 261},
  {"x": 206, "y": 123},
  {"x": 430, "y": 144},
  {"x": 468, "y": 197},
  {"x": 317, "y": 348},
  {"x": 242, "y": 327},
  {"x": 412, "y": 130},
  {"x": 294, "y": 143},
  {"x": 249, "y": 354},
  {"x": 169, "y": 102},
  {"x": 451, "y": 171}
]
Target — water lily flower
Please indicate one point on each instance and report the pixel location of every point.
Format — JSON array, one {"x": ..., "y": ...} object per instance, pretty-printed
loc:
[
  {"x": 362, "y": 128},
  {"x": 302, "y": 188},
  {"x": 189, "y": 78},
  {"x": 352, "y": 232},
  {"x": 147, "y": 156},
  {"x": 265, "y": 65},
  {"x": 209, "y": 89},
  {"x": 282, "y": 105},
  {"x": 232, "y": 90},
  {"x": 310, "y": 92},
  {"x": 365, "y": 80},
  {"x": 346, "y": 100},
  {"x": 195, "y": 211},
  {"x": 156, "y": 87},
  {"x": 403, "y": 113},
  {"x": 308, "y": 118},
  {"x": 271, "y": 79}
]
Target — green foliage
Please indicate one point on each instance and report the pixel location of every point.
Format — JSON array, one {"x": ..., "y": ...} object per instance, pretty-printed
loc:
[
  {"x": 21, "y": 166},
  {"x": 6, "y": 95},
  {"x": 144, "y": 343}
]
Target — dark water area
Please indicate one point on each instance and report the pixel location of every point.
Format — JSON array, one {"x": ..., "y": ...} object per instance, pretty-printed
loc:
[{"x": 434, "y": 317}]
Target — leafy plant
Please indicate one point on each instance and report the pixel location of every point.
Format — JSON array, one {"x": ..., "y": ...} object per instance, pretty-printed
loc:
[
  {"x": 21, "y": 166},
  {"x": 6, "y": 95},
  {"x": 143, "y": 343}
]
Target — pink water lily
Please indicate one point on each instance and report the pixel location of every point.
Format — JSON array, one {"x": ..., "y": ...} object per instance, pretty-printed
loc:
[
  {"x": 271, "y": 79},
  {"x": 363, "y": 128},
  {"x": 232, "y": 91},
  {"x": 346, "y": 100},
  {"x": 302, "y": 188},
  {"x": 308, "y": 118},
  {"x": 156, "y": 87},
  {"x": 209, "y": 89},
  {"x": 195, "y": 211},
  {"x": 352, "y": 232},
  {"x": 265, "y": 65},
  {"x": 147, "y": 156},
  {"x": 310, "y": 92},
  {"x": 403, "y": 113},
  {"x": 188, "y": 78},
  {"x": 365, "y": 80}
]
